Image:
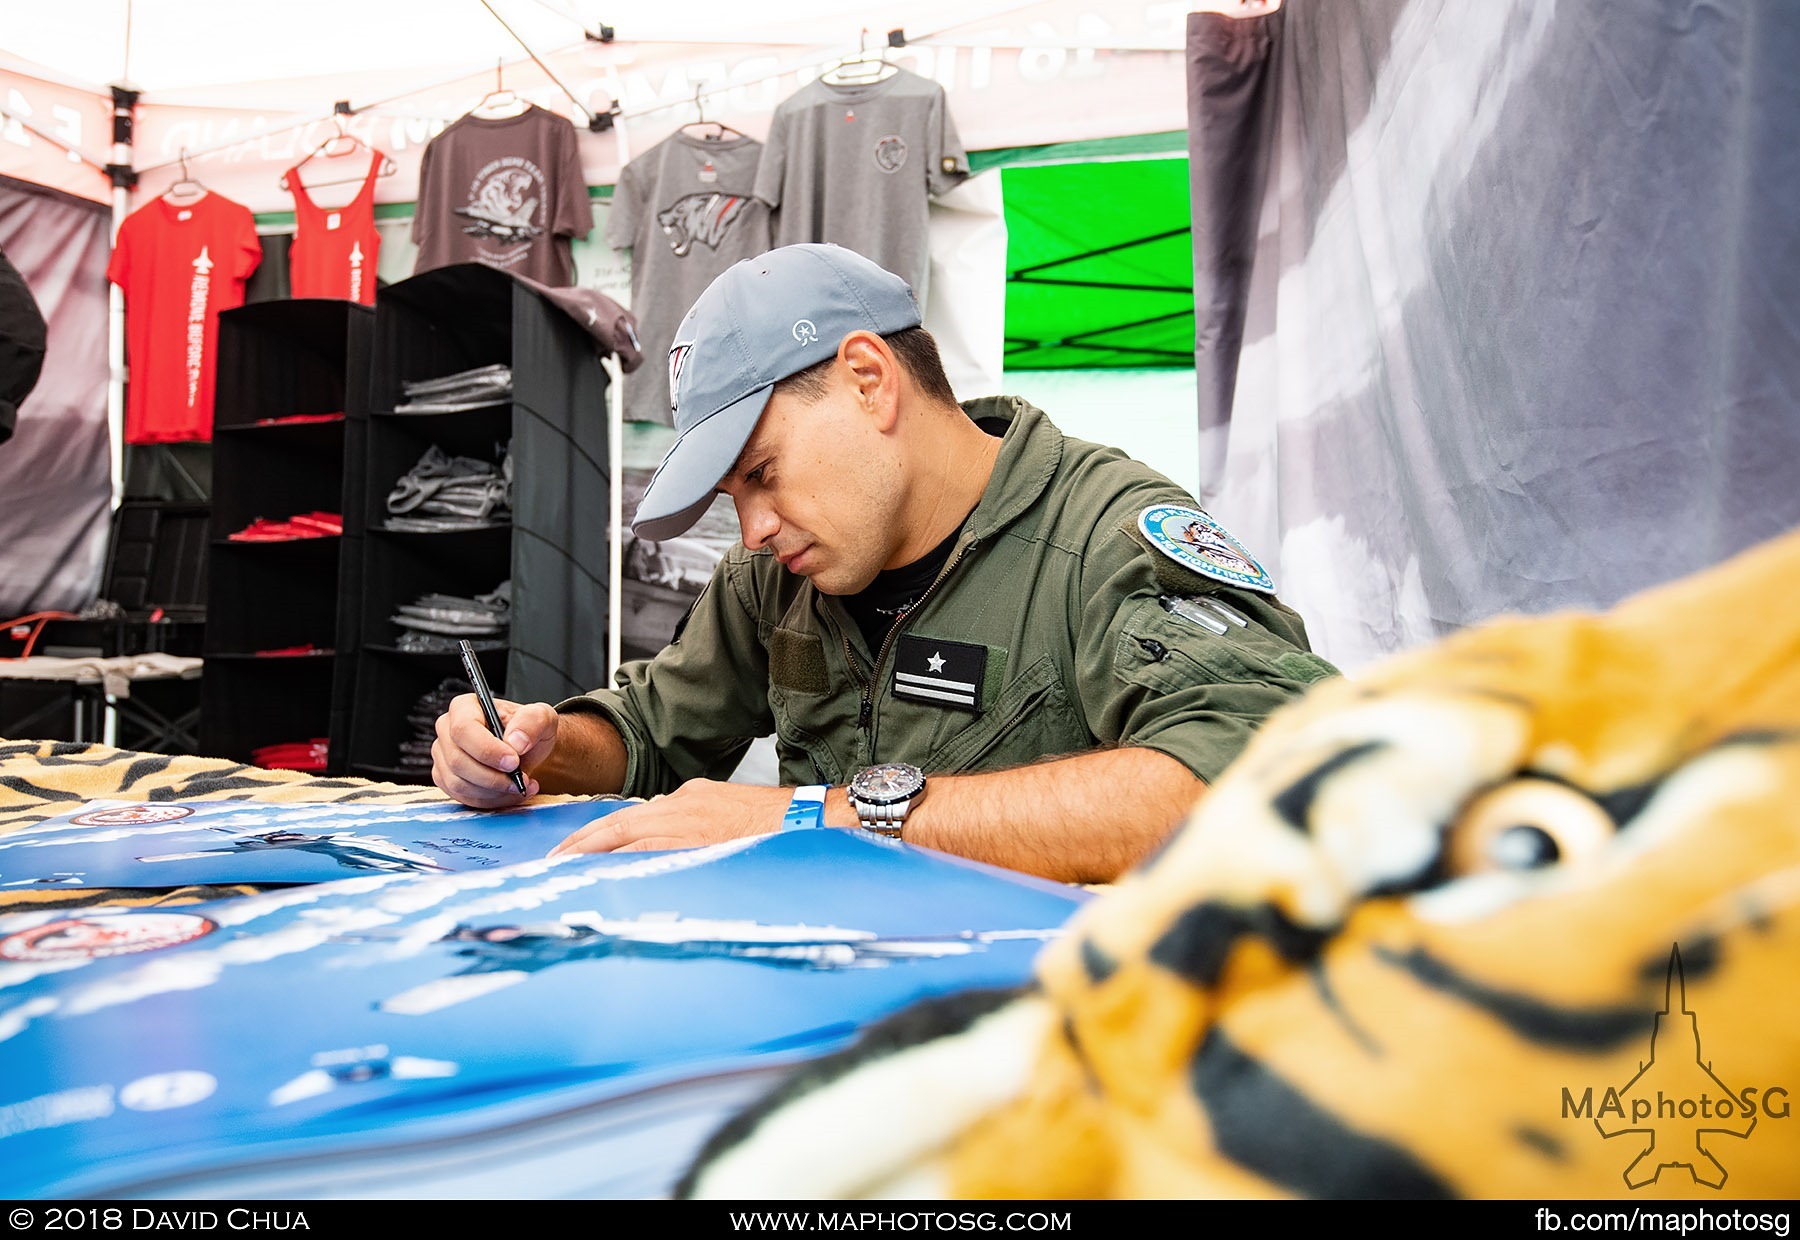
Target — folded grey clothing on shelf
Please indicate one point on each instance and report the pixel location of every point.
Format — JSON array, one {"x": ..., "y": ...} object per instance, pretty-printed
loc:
[
  {"x": 475, "y": 501},
  {"x": 500, "y": 596},
  {"x": 418, "y": 641},
  {"x": 434, "y": 462},
  {"x": 416, "y": 752},
  {"x": 424, "y": 713},
  {"x": 485, "y": 614},
  {"x": 464, "y": 626},
  {"x": 484, "y": 387},
  {"x": 447, "y": 405},
  {"x": 496, "y": 603},
  {"x": 442, "y": 525},
  {"x": 494, "y": 373},
  {"x": 456, "y": 486},
  {"x": 437, "y": 700}
]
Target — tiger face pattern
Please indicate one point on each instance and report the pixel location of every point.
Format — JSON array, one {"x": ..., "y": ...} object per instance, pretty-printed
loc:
[{"x": 1495, "y": 919}]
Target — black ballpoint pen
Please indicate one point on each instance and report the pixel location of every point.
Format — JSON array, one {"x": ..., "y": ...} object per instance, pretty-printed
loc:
[{"x": 473, "y": 668}]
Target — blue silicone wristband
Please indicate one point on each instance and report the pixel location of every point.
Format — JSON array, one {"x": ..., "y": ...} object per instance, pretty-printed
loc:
[{"x": 806, "y": 809}]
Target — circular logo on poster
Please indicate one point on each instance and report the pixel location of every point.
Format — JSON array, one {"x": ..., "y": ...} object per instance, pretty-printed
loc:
[
  {"x": 166, "y": 1090},
  {"x": 1194, "y": 540},
  {"x": 116, "y": 934},
  {"x": 890, "y": 153},
  {"x": 131, "y": 815}
]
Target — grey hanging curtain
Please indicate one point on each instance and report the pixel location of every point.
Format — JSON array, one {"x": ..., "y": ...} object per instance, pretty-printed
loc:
[
  {"x": 1231, "y": 111},
  {"x": 1522, "y": 330},
  {"x": 56, "y": 468}
]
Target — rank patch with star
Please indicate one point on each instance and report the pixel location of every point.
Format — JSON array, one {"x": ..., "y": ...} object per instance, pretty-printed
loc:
[{"x": 928, "y": 669}]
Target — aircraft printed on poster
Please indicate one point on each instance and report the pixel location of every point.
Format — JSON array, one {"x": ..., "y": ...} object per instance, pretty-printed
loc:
[
  {"x": 550, "y": 1028},
  {"x": 178, "y": 843},
  {"x": 502, "y": 955}
]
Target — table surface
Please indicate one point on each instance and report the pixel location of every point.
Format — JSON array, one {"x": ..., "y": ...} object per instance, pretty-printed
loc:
[{"x": 94, "y": 670}]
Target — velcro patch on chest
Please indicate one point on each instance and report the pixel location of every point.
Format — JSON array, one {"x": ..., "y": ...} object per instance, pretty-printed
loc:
[{"x": 929, "y": 669}]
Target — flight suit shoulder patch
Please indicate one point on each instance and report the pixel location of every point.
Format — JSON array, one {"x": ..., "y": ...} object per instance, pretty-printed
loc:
[{"x": 1191, "y": 539}]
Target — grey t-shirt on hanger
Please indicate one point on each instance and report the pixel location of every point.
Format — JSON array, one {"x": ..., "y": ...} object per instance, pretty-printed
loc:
[
  {"x": 858, "y": 164},
  {"x": 685, "y": 211}
]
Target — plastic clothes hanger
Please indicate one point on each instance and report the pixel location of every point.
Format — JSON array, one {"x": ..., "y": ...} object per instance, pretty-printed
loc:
[
  {"x": 500, "y": 102},
  {"x": 715, "y": 130},
  {"x": 347, "y": 144},
  {"x": 185, "y": 191},
  {"x": 862, "y": 68}
]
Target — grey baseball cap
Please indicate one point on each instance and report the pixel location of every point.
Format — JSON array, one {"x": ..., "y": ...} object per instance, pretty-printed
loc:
[{"x": 759, "y": 321}]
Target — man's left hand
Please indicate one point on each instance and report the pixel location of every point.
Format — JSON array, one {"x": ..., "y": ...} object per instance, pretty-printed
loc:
[{"x": 701, "y": 811}]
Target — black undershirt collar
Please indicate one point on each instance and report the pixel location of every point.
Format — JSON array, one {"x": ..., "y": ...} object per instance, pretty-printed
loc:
[{"x": 880, "y": 605}]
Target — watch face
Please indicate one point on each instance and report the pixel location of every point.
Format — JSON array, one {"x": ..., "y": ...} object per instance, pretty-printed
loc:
[{"x": 887, "y": 783}]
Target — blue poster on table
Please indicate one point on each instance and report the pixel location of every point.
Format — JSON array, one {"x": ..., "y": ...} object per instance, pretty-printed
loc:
[
  {"x": 177, "y": 843},
  {"x": 554, "y": 1028}
]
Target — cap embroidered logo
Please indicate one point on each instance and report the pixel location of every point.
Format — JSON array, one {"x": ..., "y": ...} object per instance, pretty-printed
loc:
[{"x": 677, "y": 359}]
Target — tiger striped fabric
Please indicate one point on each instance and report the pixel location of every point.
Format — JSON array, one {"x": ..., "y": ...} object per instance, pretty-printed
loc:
[{"x": 1513, "y": 916}]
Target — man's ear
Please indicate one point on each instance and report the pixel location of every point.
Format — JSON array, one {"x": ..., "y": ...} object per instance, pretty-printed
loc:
[{"x": 874, "y": 374}]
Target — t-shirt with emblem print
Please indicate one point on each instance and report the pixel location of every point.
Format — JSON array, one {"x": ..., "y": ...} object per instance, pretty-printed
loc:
[
  {"x": 684, "y": 210},
  {"x": 506, "y": 191},
  {"x": 178, "y": 265},
  {"x": 857, "y": 165}
]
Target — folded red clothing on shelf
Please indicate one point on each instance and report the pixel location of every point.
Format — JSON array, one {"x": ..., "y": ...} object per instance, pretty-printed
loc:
[
  {"x": 300, "y": 525},
  {"x": 293, "y": 755},
  {"x": 296, "y": 419},
  {"x": 324, "y": 522}
]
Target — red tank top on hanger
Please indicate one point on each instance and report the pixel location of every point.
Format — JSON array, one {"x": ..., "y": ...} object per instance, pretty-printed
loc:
[{"x": 335, "y": 248}]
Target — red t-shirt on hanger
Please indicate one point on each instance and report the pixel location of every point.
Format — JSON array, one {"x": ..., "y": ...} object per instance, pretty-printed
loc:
[
  {"x": 335, "y": 248},
  {"x": 179, "y": 265}
]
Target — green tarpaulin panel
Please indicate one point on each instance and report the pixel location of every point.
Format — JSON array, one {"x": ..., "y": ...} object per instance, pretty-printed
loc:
[{"x": 1099, "y": 265}]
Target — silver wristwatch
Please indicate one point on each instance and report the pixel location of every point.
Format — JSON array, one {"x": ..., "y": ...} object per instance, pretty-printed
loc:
[{"x": 882, "y": 795}]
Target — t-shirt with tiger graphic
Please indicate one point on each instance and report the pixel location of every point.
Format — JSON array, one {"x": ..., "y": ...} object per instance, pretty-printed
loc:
[
  {"x": 684, "y": 210},
  {"x": 686, "y": 213}
]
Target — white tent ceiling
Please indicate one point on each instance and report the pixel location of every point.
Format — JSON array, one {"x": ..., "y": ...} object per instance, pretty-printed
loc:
[
  {"x": 168, "y": 47},
  {"x": 244, "y": 86}
]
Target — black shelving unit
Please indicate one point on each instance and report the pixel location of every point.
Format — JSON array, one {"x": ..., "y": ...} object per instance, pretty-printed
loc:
[
  {"x": 290, "y": 375},
  {"x": 554, "y": 545}
]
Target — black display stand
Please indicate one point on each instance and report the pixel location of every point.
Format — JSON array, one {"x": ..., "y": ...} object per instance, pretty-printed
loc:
[
  {"x": 279, "y": 361},
  {"x": 555, "y": 548}
]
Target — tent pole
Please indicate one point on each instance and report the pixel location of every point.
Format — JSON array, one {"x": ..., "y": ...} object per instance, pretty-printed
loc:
[
  {"x": 615, "y": 467},
  {"x": 115, "y": 360},
  {"x": 124, "y": 177}
]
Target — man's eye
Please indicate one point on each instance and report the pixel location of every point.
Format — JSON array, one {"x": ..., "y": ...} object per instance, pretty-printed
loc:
[{"x": 755, "y": 475}]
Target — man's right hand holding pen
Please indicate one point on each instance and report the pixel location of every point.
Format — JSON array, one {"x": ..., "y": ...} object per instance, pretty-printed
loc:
[{"x": 579, "y": 754}]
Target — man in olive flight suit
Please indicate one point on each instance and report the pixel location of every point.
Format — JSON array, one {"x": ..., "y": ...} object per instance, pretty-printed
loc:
[{"x": 963, "y": 628}]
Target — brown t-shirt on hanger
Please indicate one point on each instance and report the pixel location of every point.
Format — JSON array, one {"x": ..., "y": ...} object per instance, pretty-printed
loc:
[{"x": 505, "y": 191}]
